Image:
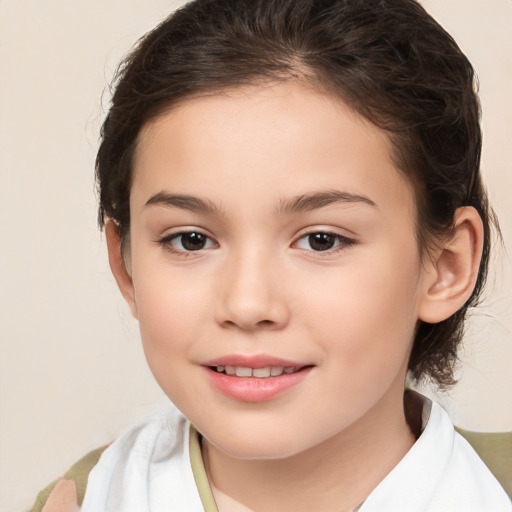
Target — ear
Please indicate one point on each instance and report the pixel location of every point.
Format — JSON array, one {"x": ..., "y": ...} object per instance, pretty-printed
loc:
[
  {"x": 118, "y": 266},
  {"x": 453, "y": 268}
]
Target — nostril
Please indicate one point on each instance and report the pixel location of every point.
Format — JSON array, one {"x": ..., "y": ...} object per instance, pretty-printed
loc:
[
  {"x": 265, "y": 323},
  {"x": 262, "y": 324}
]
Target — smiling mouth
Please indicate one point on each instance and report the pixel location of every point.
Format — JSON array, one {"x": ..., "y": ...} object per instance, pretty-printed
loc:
[
  {"x": 255, "y": 379},
  {"x": 259, "y": 373}
]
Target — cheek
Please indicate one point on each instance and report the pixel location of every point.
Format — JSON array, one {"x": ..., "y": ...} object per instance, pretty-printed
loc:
[
  {"x": 366, "y": 315},
  {"x": 171, "y": 311},
  {"x": 169, "y": 323}
]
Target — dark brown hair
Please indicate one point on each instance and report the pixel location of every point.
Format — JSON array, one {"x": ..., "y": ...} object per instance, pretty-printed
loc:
[{"x": 387, "y": 59}]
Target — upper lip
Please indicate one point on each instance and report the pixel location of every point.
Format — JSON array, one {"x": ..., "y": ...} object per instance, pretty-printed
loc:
[{"x": 253, "y": 361}]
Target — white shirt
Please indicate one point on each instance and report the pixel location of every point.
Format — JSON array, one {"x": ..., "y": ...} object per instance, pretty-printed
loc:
[{"x": 148, "y": 469}]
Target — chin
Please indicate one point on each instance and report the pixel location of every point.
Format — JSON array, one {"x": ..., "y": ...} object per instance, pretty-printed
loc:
[{"x": 258, "y": 445}]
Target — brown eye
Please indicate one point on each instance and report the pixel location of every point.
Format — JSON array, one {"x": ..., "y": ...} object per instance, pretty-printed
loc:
[
  {"x": 187, "y": 241},
  {"x": 321, "y": 241},
  {"x": 193, "y": 241}
]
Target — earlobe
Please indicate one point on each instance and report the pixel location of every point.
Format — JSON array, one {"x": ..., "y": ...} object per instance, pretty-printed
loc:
[
  {"x": 453, "y": 268},
  {"x": 118, "y": 266}
]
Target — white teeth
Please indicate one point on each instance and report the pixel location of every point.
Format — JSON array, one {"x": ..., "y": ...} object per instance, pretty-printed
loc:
[
  {"x": 242, "y": 371},
  {"x": 261, "y": 372}
]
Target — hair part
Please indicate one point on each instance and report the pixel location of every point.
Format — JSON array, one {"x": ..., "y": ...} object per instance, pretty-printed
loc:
[{"x": 388, "y": 60}]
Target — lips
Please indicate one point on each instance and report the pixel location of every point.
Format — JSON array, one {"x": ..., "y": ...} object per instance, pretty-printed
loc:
[{"x": 255, "y": 378}]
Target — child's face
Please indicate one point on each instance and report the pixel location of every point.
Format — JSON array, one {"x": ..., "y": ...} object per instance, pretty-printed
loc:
[{"x": 299, "y": 251}]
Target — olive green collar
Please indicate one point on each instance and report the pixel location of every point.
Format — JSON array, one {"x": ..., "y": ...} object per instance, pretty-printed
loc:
[{"x": 199, "y": 471}]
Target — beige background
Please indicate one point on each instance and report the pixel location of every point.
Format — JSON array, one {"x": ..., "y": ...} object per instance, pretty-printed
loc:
[{"x": 72, "y": 373}]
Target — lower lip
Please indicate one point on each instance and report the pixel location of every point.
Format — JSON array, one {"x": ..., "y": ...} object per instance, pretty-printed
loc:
[{"x": 253, "y": 389}]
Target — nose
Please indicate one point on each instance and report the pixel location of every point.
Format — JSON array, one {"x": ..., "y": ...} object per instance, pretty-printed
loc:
[{"x": 251, "y": 293}]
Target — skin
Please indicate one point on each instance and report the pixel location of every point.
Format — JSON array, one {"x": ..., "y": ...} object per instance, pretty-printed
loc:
[
  {"x": 259, "y": 287},
  {"x": 64, "y": 498}
]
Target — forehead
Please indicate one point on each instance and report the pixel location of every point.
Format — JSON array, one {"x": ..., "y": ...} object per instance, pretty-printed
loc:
[{"x": 283, "y": 139}]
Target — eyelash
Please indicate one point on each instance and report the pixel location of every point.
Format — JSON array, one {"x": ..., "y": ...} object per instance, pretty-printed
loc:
[{"x": 341, "y": 242}]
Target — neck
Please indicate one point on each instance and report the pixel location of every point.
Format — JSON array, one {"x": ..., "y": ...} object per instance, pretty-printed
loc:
[{"x": 334, "y": 476}]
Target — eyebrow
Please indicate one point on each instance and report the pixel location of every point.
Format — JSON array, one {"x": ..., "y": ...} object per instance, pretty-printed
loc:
[
  {"x": 302, "y": 203},
  {"x": 313, "y": 201},
  {"x": 184, "y": 202}
]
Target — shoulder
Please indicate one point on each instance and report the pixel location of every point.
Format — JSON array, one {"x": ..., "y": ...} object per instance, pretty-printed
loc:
[
  {"x": 495, "y": 450},
  {"x": 149, "y": 463},
  {"x": 440, "y": 473},
  {"x": 467, "y": 483},
  {"x": 165, "y": 428},
  {"x": 469, "y": 477},
  {"x": 69, "y": 489}
]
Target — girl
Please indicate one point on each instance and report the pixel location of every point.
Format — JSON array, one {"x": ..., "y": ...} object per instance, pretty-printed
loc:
[{"x": 294, "y": 213}]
